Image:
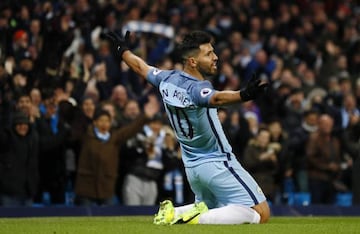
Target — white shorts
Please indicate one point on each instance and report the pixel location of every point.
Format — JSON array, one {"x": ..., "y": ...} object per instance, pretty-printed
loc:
[{"x": 221, "y": 183}]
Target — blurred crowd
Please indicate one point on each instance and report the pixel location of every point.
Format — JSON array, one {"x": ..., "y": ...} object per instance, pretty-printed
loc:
[{"x": 78, "y": 127}]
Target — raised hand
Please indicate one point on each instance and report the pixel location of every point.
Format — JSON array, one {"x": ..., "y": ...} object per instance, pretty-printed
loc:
[
  {"x": 151, "y": 108},
  {"x": 119, "y": 43},
  {"x": 253, "y": 89}
]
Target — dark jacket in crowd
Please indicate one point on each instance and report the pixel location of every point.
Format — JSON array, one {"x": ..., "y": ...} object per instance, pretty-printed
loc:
[
  {"x": 19, "y": 175},
  {"x": 136, "y": 157},
  {"x": 52, "y": 158},
  {"x": 297, "y": 149},
  {"x": 351, "y": 140}
]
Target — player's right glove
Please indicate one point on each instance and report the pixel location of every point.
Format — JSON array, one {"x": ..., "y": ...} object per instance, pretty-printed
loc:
[
  {"x": 119, "y": 43},
  {"x": 253, "y": 89}
]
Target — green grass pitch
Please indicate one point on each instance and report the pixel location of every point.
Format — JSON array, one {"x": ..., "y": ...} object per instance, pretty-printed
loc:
[{"x": 143, "y": 224}]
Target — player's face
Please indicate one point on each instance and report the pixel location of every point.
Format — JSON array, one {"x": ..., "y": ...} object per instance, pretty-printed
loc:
[{"x": 207, "y": 60}]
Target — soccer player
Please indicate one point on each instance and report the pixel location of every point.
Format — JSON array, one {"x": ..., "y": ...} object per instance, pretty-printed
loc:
[{"x": 224, "y": 192}]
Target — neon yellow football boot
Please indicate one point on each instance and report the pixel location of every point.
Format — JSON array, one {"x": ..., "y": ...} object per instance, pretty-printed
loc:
[
  {"x": 191, "y": 216},
  {"x": 165, "y": 214}
]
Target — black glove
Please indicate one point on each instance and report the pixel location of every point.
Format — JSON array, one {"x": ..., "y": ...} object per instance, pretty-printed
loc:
[
  {"x": 253, "y": 89},
  {"x": 120, "y": 44}
]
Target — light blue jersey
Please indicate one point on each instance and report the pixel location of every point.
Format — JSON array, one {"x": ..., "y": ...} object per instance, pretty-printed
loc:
[
  {"x": 196, "y": 124},
  {"x": 215, "y": 176}
]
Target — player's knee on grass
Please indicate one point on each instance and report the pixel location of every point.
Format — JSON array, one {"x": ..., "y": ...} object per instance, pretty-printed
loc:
[{"x": 264, "y": 211}]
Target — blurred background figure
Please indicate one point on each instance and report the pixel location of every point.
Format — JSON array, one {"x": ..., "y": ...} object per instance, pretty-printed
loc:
[
  {"x": 279, "y": 142},
  {"x": 260, "y": 159},
  {"x": 54, "y": 133},
  {"x": 323, "y": 153},
  {"x": 132, "y": 110},
  {"x": 296, "y": 163},
  {"x": 143, "y": 163},
  {"x": 98, "y": 163},
  {"x": 119, "y": 97},
  {"x": 351, "y": 140},
  {"x": 174, "y": 176},
  {"x": 19, "y": 172},
  {"x": 348, "y": 109},
  {"x": 25, "y": 105}
]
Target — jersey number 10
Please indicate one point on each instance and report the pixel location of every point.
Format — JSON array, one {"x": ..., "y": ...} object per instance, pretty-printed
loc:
[{"x": 180, "y": 121}]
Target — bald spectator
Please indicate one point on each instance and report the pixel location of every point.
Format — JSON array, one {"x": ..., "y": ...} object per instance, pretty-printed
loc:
[{"x": 119, "y": 97}]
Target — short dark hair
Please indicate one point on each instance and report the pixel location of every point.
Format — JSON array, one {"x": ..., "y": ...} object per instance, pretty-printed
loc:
[
  {"x": 192, "y": 42},
  {"x": 101, "y": 112},
  {"x": 312, "y": 110},
  {"x": 19, "y": 95}
]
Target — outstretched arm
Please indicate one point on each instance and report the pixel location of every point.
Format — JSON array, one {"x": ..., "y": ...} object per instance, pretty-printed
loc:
[
  {"x": 253, "y": 89},
  {"x": 223, "y": 98},
  {"x": 120, "y": 44},
  {"x": 137, "y": 64}
]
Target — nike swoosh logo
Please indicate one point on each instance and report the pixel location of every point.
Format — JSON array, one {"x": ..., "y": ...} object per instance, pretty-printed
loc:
[
  {"x": 192, "y": 218},
  {"x": 182, "y": 221},
  {"x": 156, "y": 71}
]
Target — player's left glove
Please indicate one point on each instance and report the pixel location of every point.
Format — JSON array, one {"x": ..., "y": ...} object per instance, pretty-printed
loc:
[
  {"x": 253, "y": 89},
  {"x": 119, "y": 43}
]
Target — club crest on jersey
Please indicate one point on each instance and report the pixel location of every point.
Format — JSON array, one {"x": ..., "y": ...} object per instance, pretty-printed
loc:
[{"x": 205, "y": 92}]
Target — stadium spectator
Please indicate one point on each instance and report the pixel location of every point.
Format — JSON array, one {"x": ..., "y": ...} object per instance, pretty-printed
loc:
[
  {"x": 24, "y": 104},
  {"x": 110, "y": 108},
  {"x": 20, "y": 44},
  {"x": 53, "y": 136},
  {"x": 174, "y": 185},
  {"x": 351, "y": 141},
  {"x": 293, "y": 110},
  {"x": 323, "y": 153},
  {"x": 119, "y": 97},
  {"x": 348, "y": 109},
  {"x": 261, "y": 160},
  {"x": 144, "y": 165},
  {"x": 132, "y": 110},
  {"x": 36, "y": 98},
  {"x": 296, "y": 162},
  {"x": 98, "y": 162},
  {"x": 279, "y": 142},
  {"x": 260, "y": 64},
  {"x": 82, "y": 117},
  {"x": 238, "y": 131},
  {"x": 19, "y": 172}
]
